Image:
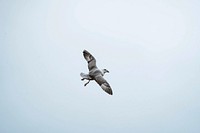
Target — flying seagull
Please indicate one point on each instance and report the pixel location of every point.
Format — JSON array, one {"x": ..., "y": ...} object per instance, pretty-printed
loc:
[{"x": 95, "y": 73}]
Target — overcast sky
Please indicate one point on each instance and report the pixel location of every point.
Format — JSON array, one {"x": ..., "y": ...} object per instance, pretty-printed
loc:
[{"x": 150, "y": 47}]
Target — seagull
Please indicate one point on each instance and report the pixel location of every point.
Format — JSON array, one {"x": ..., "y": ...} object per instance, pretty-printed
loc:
[{"x": 95, "y": 73}]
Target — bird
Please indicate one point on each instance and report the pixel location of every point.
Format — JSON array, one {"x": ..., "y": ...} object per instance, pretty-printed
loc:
[{"x": 95, "y": 73}]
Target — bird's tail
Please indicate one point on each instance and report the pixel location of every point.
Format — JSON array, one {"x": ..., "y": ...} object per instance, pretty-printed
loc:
[{"x": 83, "y": 75}]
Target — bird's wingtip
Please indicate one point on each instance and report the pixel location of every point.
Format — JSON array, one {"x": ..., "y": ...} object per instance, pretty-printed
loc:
[{"x": 111, "y": 93}]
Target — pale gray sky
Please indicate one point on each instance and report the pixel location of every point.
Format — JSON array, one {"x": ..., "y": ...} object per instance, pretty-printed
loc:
[{"x": 150, "y": 47}]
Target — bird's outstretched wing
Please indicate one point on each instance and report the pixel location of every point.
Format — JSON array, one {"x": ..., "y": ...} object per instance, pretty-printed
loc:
[
  {"x": 90, "y": 59},
  {"x": 104, "y": 84}
]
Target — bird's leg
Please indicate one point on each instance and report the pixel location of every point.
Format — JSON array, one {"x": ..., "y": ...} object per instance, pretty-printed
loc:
[
  {"x": 84, "y": 79},
  {"x": 87, "y": 83}
]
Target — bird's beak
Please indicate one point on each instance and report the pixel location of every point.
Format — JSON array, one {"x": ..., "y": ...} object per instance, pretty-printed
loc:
[{"x": 107, "y": 71}]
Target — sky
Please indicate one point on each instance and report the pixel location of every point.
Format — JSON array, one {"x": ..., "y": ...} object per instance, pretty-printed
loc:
[{"x": 150, "y": 47}]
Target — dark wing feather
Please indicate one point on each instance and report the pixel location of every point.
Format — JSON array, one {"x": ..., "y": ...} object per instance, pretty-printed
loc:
[
  {"x": 104, "y": 84},
  {"x": 90, "y": 59}
]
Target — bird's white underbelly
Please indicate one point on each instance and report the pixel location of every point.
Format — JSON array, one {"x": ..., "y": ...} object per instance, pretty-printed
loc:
[{"x": 95, "y": 72}]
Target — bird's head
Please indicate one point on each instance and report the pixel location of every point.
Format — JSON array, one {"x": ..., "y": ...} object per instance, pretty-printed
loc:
[{"x": 105, "y": 71}]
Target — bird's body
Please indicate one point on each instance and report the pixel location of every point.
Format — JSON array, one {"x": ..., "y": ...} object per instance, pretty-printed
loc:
[{"x": 95, "y": 73}]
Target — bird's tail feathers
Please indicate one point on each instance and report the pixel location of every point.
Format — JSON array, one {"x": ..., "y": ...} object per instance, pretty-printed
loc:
[{"x": 83, "y": 75}]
